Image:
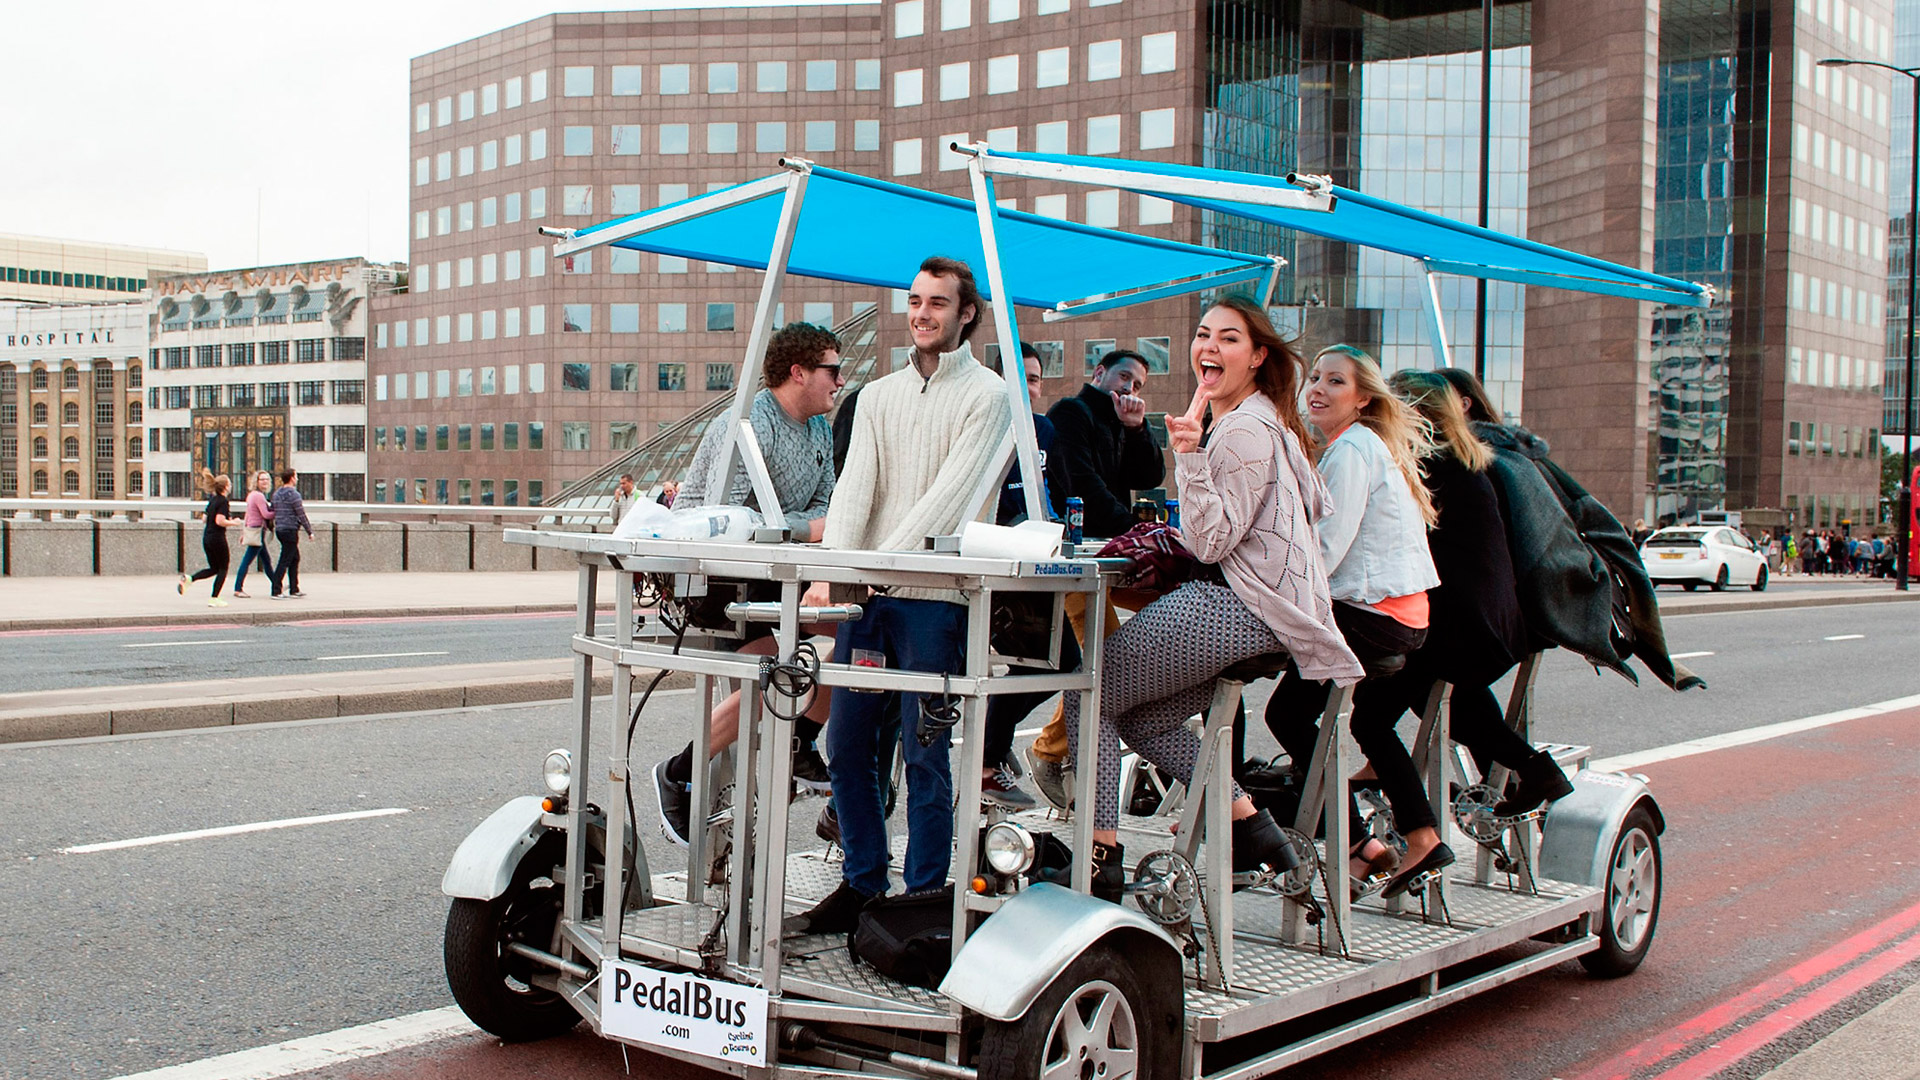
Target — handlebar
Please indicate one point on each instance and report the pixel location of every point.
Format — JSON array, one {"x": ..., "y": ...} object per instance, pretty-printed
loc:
[{"x": 769, "y": 612}]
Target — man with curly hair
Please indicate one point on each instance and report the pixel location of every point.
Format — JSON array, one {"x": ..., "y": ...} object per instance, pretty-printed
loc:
[{"x": 802, "y": 376}]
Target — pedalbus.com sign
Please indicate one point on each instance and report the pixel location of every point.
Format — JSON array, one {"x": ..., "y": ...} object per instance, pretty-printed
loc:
[{"x": 678, "y": 1011}]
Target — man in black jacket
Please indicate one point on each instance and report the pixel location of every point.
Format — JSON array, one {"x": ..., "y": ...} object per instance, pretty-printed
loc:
[{"x": 1102, "y": 444}]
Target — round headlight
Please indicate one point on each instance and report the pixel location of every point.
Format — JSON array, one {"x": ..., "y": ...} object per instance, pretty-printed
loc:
[
  {"x": 557, "y": 773},
  {"x": 1009, "y": 849}
]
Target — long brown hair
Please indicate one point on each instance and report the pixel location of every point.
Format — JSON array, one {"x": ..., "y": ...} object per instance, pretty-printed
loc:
[
  {"x": 1280, "y": 375},
  {"x": 1405, "y": 432},
  {"x": 1467, "y": 385},
  {"x": 1432, "y": 396},
  {"x": 211, "y": 484}
]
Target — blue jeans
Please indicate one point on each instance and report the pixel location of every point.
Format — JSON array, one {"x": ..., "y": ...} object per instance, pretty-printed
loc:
[
  {"x": 915, "y": 635},
  {"x": 256, "y": 552}
]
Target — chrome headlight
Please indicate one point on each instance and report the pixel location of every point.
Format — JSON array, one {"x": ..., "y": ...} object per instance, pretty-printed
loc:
[
  {"x": 557, "y": 773},
  {"x": 1009, "y": 849}
]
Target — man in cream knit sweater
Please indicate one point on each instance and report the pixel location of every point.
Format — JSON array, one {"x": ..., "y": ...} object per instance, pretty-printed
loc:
[{"x": 922, "y": 439}]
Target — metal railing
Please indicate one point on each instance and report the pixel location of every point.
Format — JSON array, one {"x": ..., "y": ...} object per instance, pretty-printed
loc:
[{"x": 186, "y": 509}]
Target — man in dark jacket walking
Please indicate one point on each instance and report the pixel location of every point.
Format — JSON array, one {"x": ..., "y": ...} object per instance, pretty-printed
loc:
[
  {"x": 289, "y": 518},
  {"x": 1102, "y": 445}
]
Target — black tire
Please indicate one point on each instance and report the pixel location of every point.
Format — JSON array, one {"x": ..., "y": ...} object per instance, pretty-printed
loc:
[
  {"x": 1720, "y": 579},
  {"x": 1141, "y": 1040},
  {"x": 1760, "y": 579},
  {"x": 1630, "y": 909},
  {"x": 493, "y": 986},
  {"x": 1689, "y": 585}
]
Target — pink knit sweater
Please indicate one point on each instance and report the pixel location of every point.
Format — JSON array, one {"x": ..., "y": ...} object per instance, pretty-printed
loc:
[{"x": 1248, "y": 502}]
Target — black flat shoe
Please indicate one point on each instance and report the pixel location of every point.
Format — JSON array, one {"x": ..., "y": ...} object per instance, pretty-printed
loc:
[
  {"x": 1541, "y": 782},
  {"x": 1259, "y": 844},
  {"x": 1439, "y": 858}
]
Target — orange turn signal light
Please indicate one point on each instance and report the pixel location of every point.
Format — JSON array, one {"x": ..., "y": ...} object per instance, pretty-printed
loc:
[{"x": 982, "y": 886}]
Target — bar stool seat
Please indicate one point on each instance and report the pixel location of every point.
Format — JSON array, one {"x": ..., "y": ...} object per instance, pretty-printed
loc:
[{"x": 1264, "y": 666}]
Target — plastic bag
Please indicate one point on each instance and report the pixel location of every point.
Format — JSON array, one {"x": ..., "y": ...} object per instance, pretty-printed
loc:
[{"x": 650, "y": 521}]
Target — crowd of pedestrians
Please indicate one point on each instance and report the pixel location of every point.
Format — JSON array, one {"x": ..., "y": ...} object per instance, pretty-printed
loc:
[{"x": 279, "y": 511}]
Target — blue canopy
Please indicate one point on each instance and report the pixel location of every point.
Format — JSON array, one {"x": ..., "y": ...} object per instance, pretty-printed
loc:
[
  {"x": 872, "y": 232},
  {"x": 1441, "y": 243}
]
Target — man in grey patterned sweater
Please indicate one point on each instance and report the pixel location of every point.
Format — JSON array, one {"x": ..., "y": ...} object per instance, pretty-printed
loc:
[{"x": 802, "y": 374}]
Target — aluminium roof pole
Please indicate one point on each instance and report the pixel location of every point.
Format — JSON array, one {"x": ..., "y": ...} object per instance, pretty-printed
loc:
[{"x": 1012, "y": 365}]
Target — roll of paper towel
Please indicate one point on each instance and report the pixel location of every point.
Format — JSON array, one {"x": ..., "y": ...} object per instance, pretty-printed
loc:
[{"x": 1026, "y": 541}]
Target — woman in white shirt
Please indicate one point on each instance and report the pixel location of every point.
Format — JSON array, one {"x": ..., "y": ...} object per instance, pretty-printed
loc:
[{"x": 1374, "y": 544}]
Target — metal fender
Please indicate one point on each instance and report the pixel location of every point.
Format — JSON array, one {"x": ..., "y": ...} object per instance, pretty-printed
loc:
[
  {"x": 484, "y": 863},
  {"x": 1033, "y": 937},
  {"x": 1577, "y": 838}
]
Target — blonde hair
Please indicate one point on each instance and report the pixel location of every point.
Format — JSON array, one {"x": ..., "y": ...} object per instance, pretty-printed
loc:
[
  {"x": 212, "y": 484},
  {"x": 1406, "y": 433},
  {"x": 1433, "y": 397}
]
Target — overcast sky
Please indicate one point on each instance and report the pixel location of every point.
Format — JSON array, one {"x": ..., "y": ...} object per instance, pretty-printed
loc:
[{"x": 181, "y": 126}]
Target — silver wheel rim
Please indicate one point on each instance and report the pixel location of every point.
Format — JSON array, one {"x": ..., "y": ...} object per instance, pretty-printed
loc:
[
  {"x": 1094, "y": 1036},
  {"x": 1634, "y": 886}
]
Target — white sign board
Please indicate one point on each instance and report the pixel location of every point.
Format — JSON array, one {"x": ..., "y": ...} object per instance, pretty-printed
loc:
[{"x": 678, "y": 1011}]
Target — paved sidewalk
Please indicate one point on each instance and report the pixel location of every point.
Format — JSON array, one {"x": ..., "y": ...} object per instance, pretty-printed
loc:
[{"x": 1881, "y": 1044}]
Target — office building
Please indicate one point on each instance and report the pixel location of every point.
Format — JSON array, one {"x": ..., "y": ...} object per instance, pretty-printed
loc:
[
  {"x": 1693, "y": 138},
  {"x": 262, "y": 368},
  {"x": 42, "y": 269},
  {"x": 70, "y": 400}
]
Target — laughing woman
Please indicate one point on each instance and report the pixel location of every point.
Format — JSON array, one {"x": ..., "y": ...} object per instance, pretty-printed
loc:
[{"x": 1249, "y": 500}]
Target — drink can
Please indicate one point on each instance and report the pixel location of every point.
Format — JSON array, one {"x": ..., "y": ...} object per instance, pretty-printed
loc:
[
  {"x": 1076, "y": 520},
  {"x": 1173, "y": 513}
]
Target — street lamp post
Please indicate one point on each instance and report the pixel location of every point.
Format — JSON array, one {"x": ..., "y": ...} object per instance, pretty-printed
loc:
[{"x": 1904, "y": 533}]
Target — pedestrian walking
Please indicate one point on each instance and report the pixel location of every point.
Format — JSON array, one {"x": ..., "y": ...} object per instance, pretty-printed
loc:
[
  {"x": 624, "y": 498},
  {"x": 257, "y": 523},
  {"x": 289, "y": 518},
  {"x": 213, "y": 539}
]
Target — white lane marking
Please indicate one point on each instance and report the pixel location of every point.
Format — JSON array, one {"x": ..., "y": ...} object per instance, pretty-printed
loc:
[
  {"x": 1688, "y": 655},
  {"x": 230, "y": 830},
  {"x": 1844, "y": 637},
  {"x": 380, "y": 655},
  {"x": 320, "y": 1051},
  {"x": 1629, "y": 762},
  {"x": 166, "y": 644}
]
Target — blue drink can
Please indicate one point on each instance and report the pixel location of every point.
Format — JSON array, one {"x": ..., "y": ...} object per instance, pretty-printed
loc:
[
  {"x": 1173, "y": 513},
  {"x": 1076, "y": 520}
]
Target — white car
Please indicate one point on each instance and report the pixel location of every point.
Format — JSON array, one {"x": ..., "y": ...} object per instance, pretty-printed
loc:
[{"x": 1711, "y": 554}]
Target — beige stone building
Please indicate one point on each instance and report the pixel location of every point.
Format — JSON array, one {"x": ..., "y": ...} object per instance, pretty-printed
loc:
[{"x": 71, "y": 400}]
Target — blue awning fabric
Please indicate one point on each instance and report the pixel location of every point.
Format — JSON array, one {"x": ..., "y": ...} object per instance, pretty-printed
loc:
[
  {"x": 1443, "y": 244},
  {"x": 872, "y": 232}
]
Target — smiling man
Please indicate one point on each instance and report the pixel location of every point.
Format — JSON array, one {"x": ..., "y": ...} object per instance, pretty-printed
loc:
[{"x": 922, "y": 440}]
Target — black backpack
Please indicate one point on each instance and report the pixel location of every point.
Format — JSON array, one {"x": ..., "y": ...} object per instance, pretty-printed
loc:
[{"x": 908, "y": 938}]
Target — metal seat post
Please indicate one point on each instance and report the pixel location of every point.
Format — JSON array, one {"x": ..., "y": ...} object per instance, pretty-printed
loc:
[
  {"x": 1210, "y": 800},
  {"x": 1324, "y": 795},
  {"x": 1526, "y": 834}
]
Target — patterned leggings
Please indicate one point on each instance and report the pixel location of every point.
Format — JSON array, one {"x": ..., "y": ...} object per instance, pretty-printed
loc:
[{"x": 1157, "y": 670}]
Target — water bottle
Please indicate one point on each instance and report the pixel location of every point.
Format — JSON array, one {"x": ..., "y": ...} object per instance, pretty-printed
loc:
[
  {"x": 1173, "y": 513},
  {"x": 1076, "y": 520}
]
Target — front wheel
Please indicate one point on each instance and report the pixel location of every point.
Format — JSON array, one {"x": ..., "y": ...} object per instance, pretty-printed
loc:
[
  {"x": 1631, "y": 909},
  {"x": 1095, "y": 1019},
  {"x": 492, "y": 984},
  {"x": 1720, "y": 579},
  {"x": 1760, "y": 579}
]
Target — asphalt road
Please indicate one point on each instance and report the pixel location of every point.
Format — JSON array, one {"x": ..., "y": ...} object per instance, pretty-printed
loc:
[
  {"x": 59, "y": 660},
  {"x": 122, "y": 960}
]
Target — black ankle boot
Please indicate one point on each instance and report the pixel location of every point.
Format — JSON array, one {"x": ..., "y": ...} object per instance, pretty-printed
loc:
[
  {"x": 1258, "y": 842},
  {"x": 1541, "y": 781},
  {"x": 1109, "y": 872}
]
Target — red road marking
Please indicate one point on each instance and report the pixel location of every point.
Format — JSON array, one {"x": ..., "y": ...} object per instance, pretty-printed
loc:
[{"x": 1655, "y": 1050}]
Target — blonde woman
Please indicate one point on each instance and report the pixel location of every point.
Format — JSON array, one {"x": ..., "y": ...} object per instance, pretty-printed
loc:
[
  {"x": 259, "y": 522},
  {"x": 1374, "y": 544},
  {"x": 213, "y": 539}
]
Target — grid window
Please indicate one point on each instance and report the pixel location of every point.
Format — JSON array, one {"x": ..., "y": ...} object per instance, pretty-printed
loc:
[
  {"x": 537, "y": 85},
  {"x": 906, "y": 157},
  {"x": 513, "y": 150},
  {"x": 723, "y": 138},
  {"x": 1003, "y": 74},
  {"x": 823, "y": 75},
  {"x": 623, "y": 435},
  {"x": 1155, "y": 210},
  {"x": 909, "y": 19},
  {"x": 576, "y": 435},
  {"x": 1050, "y": 138},
  {"x": 818, "y": 313},
  {"x": 1053, "y": 206},
  {"x": 955, "y": 81},
  {"x": 770, "y": 137},
  {"x": 490, "y": 155},
  {"x": 577, "y": 141},
  {"x": 625, "y": 80},
  {"x": 576, "y": 81},
  {"x": 537, "y": 202},
  {"x": 443, "y": 165},
  {"x": 1051, "y": 67},
  {"x": 820, "y": 135},
  {"x": 1006, "y": 138},
  {"x": 909, "y": 88},
  {"x": 719, "y": 376},
  {"x": 624, "y": 140},
  {"x": 422, "y": 171},
  {"x": 1156, "y": 129},
  {"x": 576, "y": 199},
  {"x": 513, "y": 92},
  {"x": 866, "y": 74},
  {"x": 489, "y": 99},
  {"x": 466, "y": 104},
  {"x": 866, "y": 135},
  {"x": 443, "y": 112},
  {"x": 537, "y": 144},
  {"x": 466, "y": 161},
  {"x": 1157, "y": 52},
  {"x": 1103, "y": 208},
  {"x": 949, "y": 158},
  {"x": 576, "y": 376},
  {"x": 422, "y": 117},
  {"x": 576, "y": 319},
  {"x": 623, "y": 261},
  {"x": 673, "y": 138},
  {"x": 723, "y": 77},
  {"x": 672, "y": 318},
  {"x": 1103, "y": 134},
  {"x": 720, "y": 317},
  {"x": 624, "y": 199},
  {"x": 1103, "y": 61},
  {"x": 671, "y": 376},
  {"x": 1002, "y": 10},
  {"x": 624, "y": 378},
  {"x": 1049, "y": 7},
  {"x": 489, "y": 212},
  {"x": 623, "y": 318},
  {"x": 676, "y": 78},
  {"x": 466, "y": 217},
  {"x": 770, "y": 76}
]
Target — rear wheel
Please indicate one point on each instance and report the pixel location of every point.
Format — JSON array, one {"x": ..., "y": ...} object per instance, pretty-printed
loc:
[
  {"x": 1631, "y": 908},
  {"x": 1095, "y": 1019},
  {"x": 1720, "y": 579},
  {"x": 492, "y": 984},
  {"x": 1760, "y": 579}
]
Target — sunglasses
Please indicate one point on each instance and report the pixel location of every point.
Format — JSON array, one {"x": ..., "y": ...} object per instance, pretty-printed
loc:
[{"x": 831, "y": 369}]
